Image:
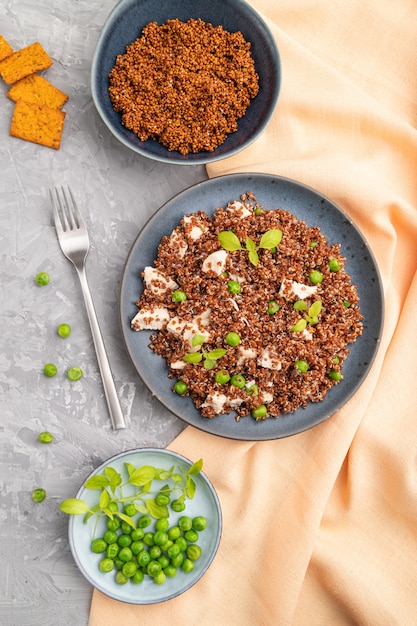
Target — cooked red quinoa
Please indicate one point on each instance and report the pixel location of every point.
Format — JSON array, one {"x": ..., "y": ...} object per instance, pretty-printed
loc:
[
  {"x": 269, "y": 348},
  {"x": 184, "y": 84}
]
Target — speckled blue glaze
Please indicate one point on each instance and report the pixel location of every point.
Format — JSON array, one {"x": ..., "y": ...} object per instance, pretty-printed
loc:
[
  {"x": 306, "y": 204},
  {"x": 125, "y": 24}
]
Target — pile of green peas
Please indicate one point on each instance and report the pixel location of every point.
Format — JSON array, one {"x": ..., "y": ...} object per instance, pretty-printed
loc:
[{"x": 138, "y": 553}]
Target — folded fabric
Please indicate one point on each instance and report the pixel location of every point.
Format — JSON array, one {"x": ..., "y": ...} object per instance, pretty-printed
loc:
[{"x": 320, "y": 529}]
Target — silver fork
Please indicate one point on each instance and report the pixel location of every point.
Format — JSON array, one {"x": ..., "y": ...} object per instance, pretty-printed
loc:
[{"x": 73, "y": 239}]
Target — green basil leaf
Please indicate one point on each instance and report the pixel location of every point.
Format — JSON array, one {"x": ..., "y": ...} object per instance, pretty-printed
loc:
[
  {"x": 127, "y": 519},
  {"x": 229, "y": 241},
  {"x": 253, "y": 257},
  {"x": 192, "y": 357},
  {"x": 142, "y": 475},
  {"x": 196, "y": 468},
  {"x": 130, "y": 468},
  {"x": 97, "y": 482},
  {"x": 190, "y": 487},
  {"x": 74, "y": 506},
  {"x": 104, "y": 499},
  {"x": 271, "y": 238},
  {"x": 197, "y": 340},
  {"x": 157, "y": 511}
]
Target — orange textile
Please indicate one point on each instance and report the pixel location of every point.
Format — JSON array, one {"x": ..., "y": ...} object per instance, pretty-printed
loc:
[{"x": 320, "y": 529}]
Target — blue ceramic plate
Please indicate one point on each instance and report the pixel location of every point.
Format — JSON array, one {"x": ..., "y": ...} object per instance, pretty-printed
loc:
[
  {"x": 306, "y": 204},
  {"x": 125, "y": 24},
  {"x": 205, "y": 502}
]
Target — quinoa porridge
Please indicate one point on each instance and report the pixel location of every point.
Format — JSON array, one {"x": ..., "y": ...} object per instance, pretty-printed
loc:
[
  {"x": 184, "y": 84},
  {"x": 252, "y": 310}
]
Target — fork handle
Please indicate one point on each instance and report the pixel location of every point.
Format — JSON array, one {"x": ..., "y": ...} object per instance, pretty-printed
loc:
[{"x": 112, "y": 398}]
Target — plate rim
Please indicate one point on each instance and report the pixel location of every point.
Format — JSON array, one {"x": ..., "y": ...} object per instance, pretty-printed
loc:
[
  {"x": 248, "y": 176},
  {"x": 217, "y": 507}
]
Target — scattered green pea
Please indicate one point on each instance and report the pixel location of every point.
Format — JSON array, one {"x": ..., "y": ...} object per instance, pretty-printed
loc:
[
  {"x": 179, "y": 296},
  {"x": 199, "y": 523},
  {"x": 252, "y": 390},
  {"x": 50, "y": 370},
  {"x": 64, "y": 330},
  {"x": 180, "y": 387},
  {"x": 334, "y": 265},
  {"x": 259, "y": 412},
  {"x": 273, "y": 307},
  {"x": 130, "y": 510},
  {"x": 222, "y": 377},
  {"x": 193, "y": 552},
  {"x": 42, "y": 279},
  {"x": 313, "y": 244},
  {"x": 335, "y": 375},
  {"x": 232, "y": 339},
  {"x": 45, "y": 437},
  {"x": 177, "y": 506},
  {"x": 315, "y": 277},
  {"x": 162, "y": 499},
  {"x": 106, "y": 565},
  {"x": 233, "y": 287},
  {"x": 38, "y": 495},
  {"x": 302, "y": 365},
  {"x": 238, "y": 381},
  {"x": 74, "y": 373}
]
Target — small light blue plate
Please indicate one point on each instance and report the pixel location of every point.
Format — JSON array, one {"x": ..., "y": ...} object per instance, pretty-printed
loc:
[
  {"x": 205, "y": 502},
  {"x": 125, "y": 24},
  {"x": 306, "y": 204}
]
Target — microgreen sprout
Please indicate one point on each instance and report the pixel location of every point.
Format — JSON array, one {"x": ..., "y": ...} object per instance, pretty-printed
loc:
[
  {"x": 269, "y": 240},
  {"x": 209, "y": 358},
  {"x": 177, "y": 482},
  {"x": 310, "y": 317}
]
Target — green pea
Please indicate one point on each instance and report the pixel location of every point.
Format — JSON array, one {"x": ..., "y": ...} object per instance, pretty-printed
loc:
[
  {"x": 334, "y": 265},
  {"x": 238, "y": 381},
  {"x": 137, "y": 577},
  {"x": 313, "y": 244},
  {"x": 273, "y": 307},
  {"x": 38, "y": 495},
  {"x": 112, "y": 551},
  {"x": 64, "y": 330},
  {"x": 199, "y": 523},
  {"x": 136, "y": 547},
  {"x": 144, "y": 521},
  {"x": 126, "y": 528},
  {"x": 50, "y": 370},
  {"x": 162, "y": 524},
  {"x": 315, "y": 277},
  {"x": 129, "y": 569},
  {"x": 125, "y": 554},
  {"x": 336, "y": 360},
  {"x": 163, "y": 561},
  {"x": 170, "y": 571},
  {"x": 302, "y": 366},
  {"x": 252, "y": 390},
  {"x": 177, "y": 506},
  {"x": 191, "y": 535},
  {"x": 187, "y": 566},
  {"x": 258, "y": 211},
  {"x": 160, "y": 537},
  {"x": 118, "y": 564},
  {"x": 185, "y": 523},
  {"x": 42, "y": 279},
  {"x": 130, "y": 510},
  {"x": 335, "y": 375},
  {"x": 160, "y": 578},
  {"x": 124, "y": 540},
  {"x": 233, "y": 287},
  {"x": 193, "y": 552},
  {"x": 182, "y": 543},
  {"x": 143, "y": 558},
  {"x": 179, "y": 296},
  {"x": 174, "y": 532},
  {"x": 232, "y": 339},
  {"x": 45, "y": 437},
  {"x": 137, "y": 534},
  {"x": 180, "y": 387},
  {"x": 120, "y": 578},
  {"x": 114, "y": 507},
  {"x": 148, "y": 539},
  {"x": 173, "y": 550},
  {"x": 162, "y": 499},
  {"x": 259, "y": 412},
  {"x": 98, "y": 546},
  {"x": 110, "y": 536},
  {"x": 113, "y": 524},
  {"x": 177, "y": 561},
  {"x": 222, "y": 377},
  {"x": 106, "y": 565},
  {"x": 153, "y": 568},
  {"x": 74, "y": 373},
  {"x": 347, "y": 304},
  {"x": 155, "y": 552}
]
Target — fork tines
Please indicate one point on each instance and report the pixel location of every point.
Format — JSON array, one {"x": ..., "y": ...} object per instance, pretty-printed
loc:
[{"x": 67, "y": 215}]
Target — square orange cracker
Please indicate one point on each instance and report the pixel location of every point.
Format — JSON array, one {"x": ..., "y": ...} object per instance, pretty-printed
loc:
[
  {"x": 37, "y": 90},
  {"x": 5, "y": 48},
  {"x": 24, "y": 62},
  {"x": 37, "y": 123}
]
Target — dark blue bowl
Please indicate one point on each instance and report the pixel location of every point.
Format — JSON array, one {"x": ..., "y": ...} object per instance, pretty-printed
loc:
[{"x": 125, "y": 24}]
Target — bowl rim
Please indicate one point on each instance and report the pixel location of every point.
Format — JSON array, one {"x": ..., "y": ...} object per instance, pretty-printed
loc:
[{"x": 194, "y": 158}]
